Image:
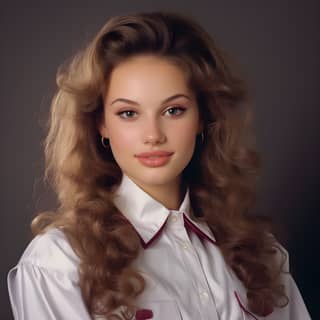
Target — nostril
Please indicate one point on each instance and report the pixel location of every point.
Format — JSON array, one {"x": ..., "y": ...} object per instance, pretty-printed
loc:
[{"x": 155, "y": 139}]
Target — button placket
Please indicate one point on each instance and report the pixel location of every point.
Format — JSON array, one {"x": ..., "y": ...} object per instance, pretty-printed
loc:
[
  {"x": 192, "y": 264},
  {"x": 177, "y": 224}
]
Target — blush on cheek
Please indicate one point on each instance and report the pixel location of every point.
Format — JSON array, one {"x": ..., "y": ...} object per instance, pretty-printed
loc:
[{"x": 124, "y": 139}]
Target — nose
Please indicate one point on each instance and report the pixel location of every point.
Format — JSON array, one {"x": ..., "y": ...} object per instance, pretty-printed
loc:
[{"x": 153, "y": 133}]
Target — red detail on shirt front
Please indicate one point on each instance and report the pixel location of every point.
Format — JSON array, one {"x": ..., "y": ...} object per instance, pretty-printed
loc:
[
  {"x": 243, "y": 307},
  {"x": 143, "y": 314},
  {"x": 266, "y": 312}
]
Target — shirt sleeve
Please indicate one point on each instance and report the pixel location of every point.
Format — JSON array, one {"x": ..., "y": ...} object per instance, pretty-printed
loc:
[{"x": 39, "y": 293}]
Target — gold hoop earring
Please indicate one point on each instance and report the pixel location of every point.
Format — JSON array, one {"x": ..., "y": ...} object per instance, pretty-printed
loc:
[{"x": 105, "y": 142}]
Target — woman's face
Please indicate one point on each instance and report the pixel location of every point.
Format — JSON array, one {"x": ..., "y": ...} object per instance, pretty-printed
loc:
[{"x": 148, "y": 107}]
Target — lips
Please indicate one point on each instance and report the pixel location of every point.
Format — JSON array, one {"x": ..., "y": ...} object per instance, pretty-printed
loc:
[
  {"x": 154, "y": 154},
  {"x": 154, "y": 158}
]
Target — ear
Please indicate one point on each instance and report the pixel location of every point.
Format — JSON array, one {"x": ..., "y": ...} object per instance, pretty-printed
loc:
[
  {"x": 101, "y": 117},
  {"x": 102, "y": 128}
]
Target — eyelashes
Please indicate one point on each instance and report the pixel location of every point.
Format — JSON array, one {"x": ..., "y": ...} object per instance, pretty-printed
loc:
[
  {"x": 180, "y": 110},
  {"x": 173, "y": 112},
  {"x": 126, "y": 114}
]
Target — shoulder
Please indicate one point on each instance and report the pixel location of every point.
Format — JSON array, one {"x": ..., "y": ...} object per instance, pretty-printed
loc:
[
  {"x": 45, "y": 282},
  {"x": 52, "y": 251}
]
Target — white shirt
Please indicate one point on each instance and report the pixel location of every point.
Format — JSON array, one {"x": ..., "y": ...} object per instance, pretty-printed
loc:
[{"x": 186, "y": 275}]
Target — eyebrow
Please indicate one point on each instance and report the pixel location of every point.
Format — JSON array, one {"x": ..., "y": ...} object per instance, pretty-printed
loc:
[{"x": 179, "y": 95}]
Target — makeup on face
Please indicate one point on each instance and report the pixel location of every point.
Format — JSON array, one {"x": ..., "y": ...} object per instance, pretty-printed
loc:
[
  {"x": 151, "y": 119},
  {"x": 155, "y": 158}
]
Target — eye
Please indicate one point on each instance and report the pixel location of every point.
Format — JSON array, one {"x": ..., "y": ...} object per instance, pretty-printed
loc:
[
  {"x": 176, "y": 111},
  {"x": 126, "y": 114}
]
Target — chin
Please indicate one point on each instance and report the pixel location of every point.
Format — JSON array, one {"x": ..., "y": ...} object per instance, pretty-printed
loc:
[{"x": 154, "y": 176}]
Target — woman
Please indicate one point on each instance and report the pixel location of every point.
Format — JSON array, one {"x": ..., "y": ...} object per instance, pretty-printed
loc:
[{"x": 149, "y": 152}]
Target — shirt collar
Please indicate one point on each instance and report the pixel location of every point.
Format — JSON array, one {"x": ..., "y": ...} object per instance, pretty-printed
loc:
[{"x": 148, "y": 216}]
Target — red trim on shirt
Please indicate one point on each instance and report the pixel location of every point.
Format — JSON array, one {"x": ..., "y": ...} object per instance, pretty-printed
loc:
[
  {"x": 145, "y": 245},
  {"x": 266, "y": 312},
  {"x": 143, "y": 314},
  {"x": 188, "y": 224},
  {"x": 243, "y": 307}
]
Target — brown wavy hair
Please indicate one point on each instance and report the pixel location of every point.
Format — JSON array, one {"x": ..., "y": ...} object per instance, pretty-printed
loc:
[{"x": 221, "y": 175}]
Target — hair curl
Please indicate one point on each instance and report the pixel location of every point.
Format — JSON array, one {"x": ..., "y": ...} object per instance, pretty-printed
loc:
[{"x": 222, "y": 192}]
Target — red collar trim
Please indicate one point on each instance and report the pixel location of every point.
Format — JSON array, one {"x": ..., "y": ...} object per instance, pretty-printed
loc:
[
  {"x": 146, "y": 245},
  {"x": 193, "y": 227},
  {"x": 188, "y": 223}
]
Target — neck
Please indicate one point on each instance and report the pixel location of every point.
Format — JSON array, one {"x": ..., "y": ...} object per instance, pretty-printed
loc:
[{"x": 169, "y": 195}]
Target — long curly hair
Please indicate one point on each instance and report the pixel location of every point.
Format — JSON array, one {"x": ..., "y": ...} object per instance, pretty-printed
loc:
[{"x": 221, "y": 175}]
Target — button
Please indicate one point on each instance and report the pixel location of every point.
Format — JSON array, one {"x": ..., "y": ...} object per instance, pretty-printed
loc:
[
  {"x": 173, "y": 219},
  {"x": 185, "y": 245},
  {"x": 204, "y": 295}
]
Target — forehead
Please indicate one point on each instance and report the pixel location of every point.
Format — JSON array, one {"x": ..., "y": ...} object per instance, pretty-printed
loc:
[
  {"x": 149, "y": 61},
  {"x": 145, "y": 76}
]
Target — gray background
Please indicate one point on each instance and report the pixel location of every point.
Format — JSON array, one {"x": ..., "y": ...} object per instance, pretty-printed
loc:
[{"x": 276, "y": 43}]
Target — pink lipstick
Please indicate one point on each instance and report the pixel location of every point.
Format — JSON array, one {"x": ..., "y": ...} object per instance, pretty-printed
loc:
[{"x": 154, "y": 158}]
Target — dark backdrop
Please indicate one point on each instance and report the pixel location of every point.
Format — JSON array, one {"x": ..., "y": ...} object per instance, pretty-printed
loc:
[{"x": 276, "y": 44}]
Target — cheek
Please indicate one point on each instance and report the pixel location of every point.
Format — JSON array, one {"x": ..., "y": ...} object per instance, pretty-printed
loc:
[
  {"x": 123, "y": 139},
  {"x": 184, "y": 134},
  {"x": 184, "y": 145}
]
